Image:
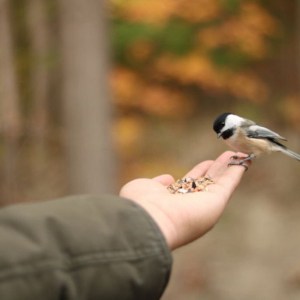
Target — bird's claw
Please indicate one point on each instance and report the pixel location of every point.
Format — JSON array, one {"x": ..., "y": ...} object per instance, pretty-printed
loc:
[{"x": 236, "y": 160}]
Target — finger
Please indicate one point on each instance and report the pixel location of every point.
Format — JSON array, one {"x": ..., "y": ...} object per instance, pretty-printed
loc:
[
  {"x": 227, "y": 176},
  {"x": 164, "y": 179},
  {"x": 220, "y": 165},
  {"x": 233, "y": 174},
  {"x": 200, "y": 169}
]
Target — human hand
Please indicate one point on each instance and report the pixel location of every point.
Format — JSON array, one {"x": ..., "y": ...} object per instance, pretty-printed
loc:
[{"x": 183, "y": 218}]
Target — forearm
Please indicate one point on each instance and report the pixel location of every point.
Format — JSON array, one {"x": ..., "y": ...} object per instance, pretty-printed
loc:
[{"x": 83, "y": 248}]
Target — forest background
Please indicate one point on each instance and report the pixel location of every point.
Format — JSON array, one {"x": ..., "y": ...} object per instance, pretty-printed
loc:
[{"x": 95, "y": 93}]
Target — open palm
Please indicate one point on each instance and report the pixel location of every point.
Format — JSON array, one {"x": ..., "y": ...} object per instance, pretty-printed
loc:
[{"x": 183, "y": 218}]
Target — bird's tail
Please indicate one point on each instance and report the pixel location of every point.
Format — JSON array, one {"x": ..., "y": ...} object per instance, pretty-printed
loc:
[{"x": 290, "y": 153}]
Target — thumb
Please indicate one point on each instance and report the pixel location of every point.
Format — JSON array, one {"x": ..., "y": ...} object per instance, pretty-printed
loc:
[{"x": 164, "y": 179}]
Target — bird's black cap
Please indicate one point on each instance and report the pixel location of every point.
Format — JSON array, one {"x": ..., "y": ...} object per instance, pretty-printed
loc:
[{"x": 220, "y": 122}]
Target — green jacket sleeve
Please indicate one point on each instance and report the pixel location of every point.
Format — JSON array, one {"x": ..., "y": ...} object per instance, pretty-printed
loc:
[{"x": 81, "y": 247}]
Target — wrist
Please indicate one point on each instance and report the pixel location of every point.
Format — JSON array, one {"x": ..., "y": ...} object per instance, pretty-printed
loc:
[{"x": 163, "y": 221}]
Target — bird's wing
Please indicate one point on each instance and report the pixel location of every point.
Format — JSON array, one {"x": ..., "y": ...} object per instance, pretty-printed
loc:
[{"x": 259, "y": 132}]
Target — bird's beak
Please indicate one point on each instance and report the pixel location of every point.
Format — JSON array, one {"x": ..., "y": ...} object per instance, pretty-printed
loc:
[{"x": 219, "y": 135}]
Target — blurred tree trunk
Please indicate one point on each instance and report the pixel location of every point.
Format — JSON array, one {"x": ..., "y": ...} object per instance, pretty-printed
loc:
[
  {"x": 10, "y": 110},
  {"x": 86, "y": 97},
  {"x": 39, "y": 38},
  {"x": 297, "y": 22}
]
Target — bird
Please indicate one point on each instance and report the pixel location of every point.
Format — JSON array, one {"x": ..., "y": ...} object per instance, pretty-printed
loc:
[{"x": 246, "y": 136}]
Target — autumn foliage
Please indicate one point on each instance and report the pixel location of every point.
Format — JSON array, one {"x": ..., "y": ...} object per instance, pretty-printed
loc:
[{"x": 166, "y": 49}]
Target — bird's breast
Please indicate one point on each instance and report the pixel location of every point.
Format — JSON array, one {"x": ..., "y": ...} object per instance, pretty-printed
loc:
[{"x": 240, "y": 142}]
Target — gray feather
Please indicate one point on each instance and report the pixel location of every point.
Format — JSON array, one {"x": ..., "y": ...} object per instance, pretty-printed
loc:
[
  {"x": 289, "y": 153},
  {"x": 259, "y": 132}
]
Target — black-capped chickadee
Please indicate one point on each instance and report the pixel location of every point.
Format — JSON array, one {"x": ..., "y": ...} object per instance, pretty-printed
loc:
[{"x": 245, "y": 136}]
